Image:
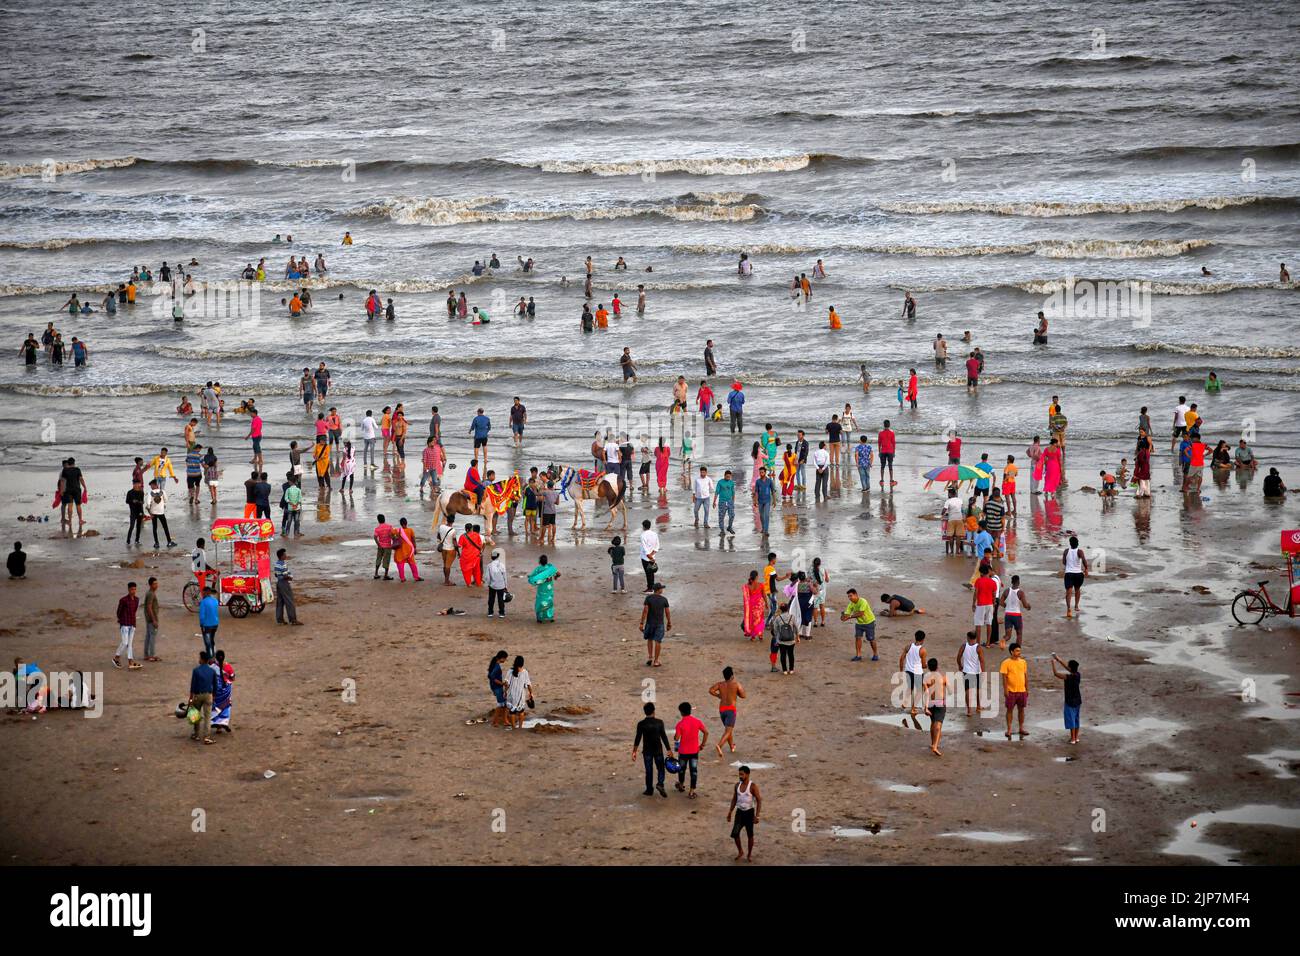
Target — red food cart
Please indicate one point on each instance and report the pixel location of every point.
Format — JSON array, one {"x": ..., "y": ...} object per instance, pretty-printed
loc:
[{"x": 241, "y": 572}]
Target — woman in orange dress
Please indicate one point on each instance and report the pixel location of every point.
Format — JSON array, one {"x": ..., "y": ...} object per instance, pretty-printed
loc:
[
  {"x": 753, "y": 606},
  {"x": 404, "y": 551},
  {"x": 789, "y": 468}
]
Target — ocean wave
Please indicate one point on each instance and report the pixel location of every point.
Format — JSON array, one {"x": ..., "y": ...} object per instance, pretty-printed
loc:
[
  {"x": 449, "y": 212},
  {"x": 1221, "y": 351},
  {"x": 1050, "y": 286},
  {"x": 1050, "y": 248},
  {"x": 710, "y": 166},
  {"x": 14, "y": 170},
  {"x": 1051, "y": 209},
  {"x": 51, "y": 243},
  {"x": 722, "y": 198}
]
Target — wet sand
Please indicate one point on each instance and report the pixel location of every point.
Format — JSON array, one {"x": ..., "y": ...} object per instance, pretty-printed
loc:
[{"x": 400, "y": 777}]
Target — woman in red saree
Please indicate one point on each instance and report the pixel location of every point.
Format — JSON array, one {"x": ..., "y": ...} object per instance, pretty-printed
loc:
[
  {"x": 663, "y": 455},
  {"x": 753, "y": 607},
  {"x": 789, "y": 468},
  {"x": 471, "y": 556}
]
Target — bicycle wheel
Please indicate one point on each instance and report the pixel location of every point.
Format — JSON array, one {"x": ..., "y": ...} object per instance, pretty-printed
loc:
[
  {"x": 1249, "y": 607},
  {"x": 191, "y": 596}
]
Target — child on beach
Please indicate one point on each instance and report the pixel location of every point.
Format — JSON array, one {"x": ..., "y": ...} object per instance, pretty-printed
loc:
[
  {"x": 900, "y": 394},
  {"x": 1009, "y": 483},
  {"x": 1122, "y": 475},
  {"x": 1108, "y": 484}
]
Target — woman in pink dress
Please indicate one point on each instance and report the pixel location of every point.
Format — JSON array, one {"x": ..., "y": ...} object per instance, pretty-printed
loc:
[
  {"x": 462, "y": 306},
  {"x": 662, "y": 456},
  {"x": 1051, "y": 469},
  {"x": 753, "y": 607}
]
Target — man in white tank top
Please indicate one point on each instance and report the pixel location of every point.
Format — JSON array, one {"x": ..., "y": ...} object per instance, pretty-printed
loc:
[
  {"x": 1076, "y": 569},
  {"x": 746, "y": 804},
  {"x": 912, "y": 663},
  {"x": 1014, "y": 603},
  {"x": 970, "y": 660}
]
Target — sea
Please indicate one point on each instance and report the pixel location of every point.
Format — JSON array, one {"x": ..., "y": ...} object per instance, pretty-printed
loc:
[{"x": 1090, "y": 160}]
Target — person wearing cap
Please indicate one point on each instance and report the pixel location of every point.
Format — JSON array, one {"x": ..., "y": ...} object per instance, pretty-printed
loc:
[
  {"x": 736, "y": 404},
  {"x": 497, "y": 581}
]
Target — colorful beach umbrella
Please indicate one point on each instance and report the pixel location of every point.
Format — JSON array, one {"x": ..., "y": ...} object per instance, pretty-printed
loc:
[{"x": 949, "y": 473}]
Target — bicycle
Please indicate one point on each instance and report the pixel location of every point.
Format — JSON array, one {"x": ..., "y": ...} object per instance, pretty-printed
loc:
[{"x": 1252, "y": 606}]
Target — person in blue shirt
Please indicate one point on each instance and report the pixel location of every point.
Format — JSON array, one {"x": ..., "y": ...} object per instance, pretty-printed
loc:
[
  {"x": 862, "y": 454},
  {"x": 764, "y": 490},
  {"x": 203, "y": 685},
  {"x": 984, "y": 484},
  {"x": 983, "y": 542},
  {"x": 209, "y": 618},
  {"x": 736, "y": 402},
  {"x": 79, "y": 352},
  {"x": 479, "y": 428}
]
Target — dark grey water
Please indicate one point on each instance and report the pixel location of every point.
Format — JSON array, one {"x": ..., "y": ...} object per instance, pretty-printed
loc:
[{"x": 977, "y": 156}]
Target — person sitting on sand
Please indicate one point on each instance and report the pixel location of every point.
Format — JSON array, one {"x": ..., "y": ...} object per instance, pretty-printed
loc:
[
  {"x": 895, "y": 605},
  {"x": 17, "y": 562}
]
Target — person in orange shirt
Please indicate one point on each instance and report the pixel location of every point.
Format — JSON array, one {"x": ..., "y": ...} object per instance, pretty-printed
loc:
[
  {"x": 130, "y": 293},
  {"x": 602, "y": 316},
  {"x": 334, "y": 425},
  {"x": 805, "y": 286},
  {"x": 295, "y": 305},
  {"x": 835, "y": 319}
]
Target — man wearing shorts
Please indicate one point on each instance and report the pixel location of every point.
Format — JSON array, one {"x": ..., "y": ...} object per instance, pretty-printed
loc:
[
  {"x": 746, "y": 804},
  {"x": 864, "y": 624},
  {"x": 518, "y": 419},
  {"x": 1076, "y": 569},
  {"x": 1014, "y": 600},
  {"x": 550, "y": 501},
  {"x": 936, "y": 703},
  {"x": 728, "y": 691},
  {"x": 970, "y": 659},
  {"x": 1180, "y": 421},
  {"x": 896, "y": 605},
  {"x": 479, "y": 428},
  {"x": 656, "y": 620},
  {"x": 1015, "y": 679},
  {"x": 912, "y": 663},
  {"x": 983, "y": 598}
]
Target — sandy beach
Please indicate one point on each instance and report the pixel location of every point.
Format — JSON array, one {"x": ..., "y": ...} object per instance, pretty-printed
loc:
[{"x": 403, "y": 775}]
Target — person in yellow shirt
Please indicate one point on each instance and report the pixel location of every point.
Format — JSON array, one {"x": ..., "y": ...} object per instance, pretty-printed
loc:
[
  {"x": 130, "y": 293},
  {"x": 161, "y": 466},
  {"x": 347, "y": 238},
  {"x": 835, "y": 319},
  {"x": 1015, "y": 681},
  {"x": 864, "y": 624},
  {"x": 1192, "y": 417}
]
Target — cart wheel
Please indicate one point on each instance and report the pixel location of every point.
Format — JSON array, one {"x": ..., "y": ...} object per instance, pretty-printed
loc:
[
  {"x": 191, "y": 596},
  {"x": 238, "y": 606},
  {"x": 259, "y": 607},
  {"x": 1248, "y": 607}
]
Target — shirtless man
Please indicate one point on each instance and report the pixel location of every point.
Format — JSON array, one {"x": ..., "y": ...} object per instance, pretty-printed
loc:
[
  {"x": 727, "y": 691},
  {"x": 936, "y": 701}
]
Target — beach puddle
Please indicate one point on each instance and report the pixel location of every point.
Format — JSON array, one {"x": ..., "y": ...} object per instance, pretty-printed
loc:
[
  {"x": 901, "y": 787},
  {"x": 359, "y": 543},
  {"x": 1280, "y": 762},
  {"x": 988, "y": 836},
  {"x": 1170, "y": 777},
  {"x": 1190, "y": 840},
  {"x": 857, "y": 833},
  {"x": 752, "y": 765}
]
